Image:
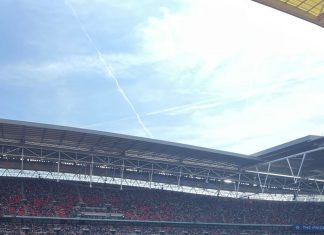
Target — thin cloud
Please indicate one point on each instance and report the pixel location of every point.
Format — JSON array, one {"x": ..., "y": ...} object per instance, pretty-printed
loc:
[
  {"x": 278, "y": 77},
  {"x": 181, "y": 109}
]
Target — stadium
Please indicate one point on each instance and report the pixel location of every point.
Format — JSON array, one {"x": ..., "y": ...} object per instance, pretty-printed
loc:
[
  {"x": 56, "y": 179},
  {"x": 66, "y": 180}
]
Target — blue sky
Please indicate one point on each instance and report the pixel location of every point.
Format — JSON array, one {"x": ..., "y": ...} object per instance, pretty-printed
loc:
[{"x": 230, "y": 75}]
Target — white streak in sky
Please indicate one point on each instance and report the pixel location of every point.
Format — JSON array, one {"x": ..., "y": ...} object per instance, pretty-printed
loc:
[
  {"x": 181, "y": 109},
  {"x": 108, "y": 70}
]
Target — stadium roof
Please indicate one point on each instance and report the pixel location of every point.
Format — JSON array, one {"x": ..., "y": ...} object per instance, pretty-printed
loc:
[
  {"x": 296, "y": 166},
  {"x": 312, "y": 166},
  {"x": 309, "y": 10},
  {"x": 292, "y": 147},
  {"x": 117, "y": 144}
]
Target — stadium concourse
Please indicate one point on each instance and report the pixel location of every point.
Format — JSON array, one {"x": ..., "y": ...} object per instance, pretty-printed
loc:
[{"x": 63, "y": 180}]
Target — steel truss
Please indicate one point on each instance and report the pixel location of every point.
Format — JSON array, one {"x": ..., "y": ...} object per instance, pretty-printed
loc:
[
  {"x": 287, "y": 173},
  {"x": 268, "y": 180}
]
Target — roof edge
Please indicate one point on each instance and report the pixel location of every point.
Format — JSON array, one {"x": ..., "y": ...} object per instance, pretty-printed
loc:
[
  {"x": 283, "y": 7},
  {"x": 287, "y": 144},
  {"x": 123, "y": 136}
]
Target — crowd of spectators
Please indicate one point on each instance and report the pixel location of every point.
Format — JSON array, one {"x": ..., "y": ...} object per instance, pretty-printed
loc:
[{"x": 38, "y": 197}]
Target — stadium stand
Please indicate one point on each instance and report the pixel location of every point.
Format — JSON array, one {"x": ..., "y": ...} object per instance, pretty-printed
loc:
[
  {"x": 61, "y": 180},
  {"x": 38, "y": 197}
]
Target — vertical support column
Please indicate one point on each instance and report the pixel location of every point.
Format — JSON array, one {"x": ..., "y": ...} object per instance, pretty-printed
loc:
[
  {"x": 107, "y": 170},
  {"x": 58, "y": 167},
  {"x": 238, "y": 185},
  {"x": 179, "y": 178},
  {"x": 22, "y": 160},
  {"x": 298, "y": 188},
  {"x": 91, "y": 169},
  {"x": 122, "y": 175},
  {"x": 207, "y": 179},
  {"x": 151, "y": 176}
]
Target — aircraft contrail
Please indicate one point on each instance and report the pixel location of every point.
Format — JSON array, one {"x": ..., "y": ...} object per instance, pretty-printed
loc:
[
  {"x": 108, "y": 70},
  {"x": 187, "y": 107}
]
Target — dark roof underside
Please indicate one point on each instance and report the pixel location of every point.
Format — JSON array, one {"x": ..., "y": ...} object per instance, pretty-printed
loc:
[
  {"x": 312, "y": 146},
  {"x": 303, "y": 144}
]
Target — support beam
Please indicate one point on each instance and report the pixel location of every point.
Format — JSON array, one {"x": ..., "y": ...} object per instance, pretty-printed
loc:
[
  {"x": 22, "y": 160},
  {"x": 179, "y": 178},
  {"x": 320, "y": 191},
  {"x": 238, "y": 185},
  {"x": 151, "y": 175},
  {"x": 291, "y": 170},
  {"x": 122, "y": 175},
  {"x": 91, "y": 169},
  {"x": 261, "y": 187},
  {"x": 58, "y": 167},
  {"x": 207, "y": 178},
  {"x": 266, "y": 178},
  {"x": 300, "y": 167},
  {"x": 294, "y": 155}
]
